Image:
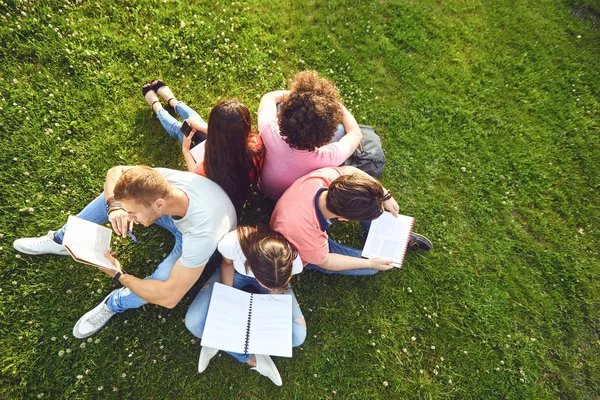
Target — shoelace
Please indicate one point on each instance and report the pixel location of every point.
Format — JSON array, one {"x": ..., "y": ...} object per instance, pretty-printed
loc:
[{"x": 100, "y": 316}]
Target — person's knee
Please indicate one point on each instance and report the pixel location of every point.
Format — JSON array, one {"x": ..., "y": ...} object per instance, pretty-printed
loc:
[
  {"x": 299, "y": 333},
  {"x": 194, "y": 325}
]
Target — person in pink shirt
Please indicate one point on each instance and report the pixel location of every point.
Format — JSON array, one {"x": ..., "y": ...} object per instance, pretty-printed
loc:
[
  {"x": 305, "y": 211},
  {"x": 303, "y": 135}
]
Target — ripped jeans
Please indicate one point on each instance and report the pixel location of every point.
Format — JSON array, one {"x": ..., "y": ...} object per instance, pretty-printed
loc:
[{"x": 195, "y": 319}]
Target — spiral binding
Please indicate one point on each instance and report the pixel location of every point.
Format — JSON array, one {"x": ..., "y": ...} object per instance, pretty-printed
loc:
[{"x": 247, "y": 343}]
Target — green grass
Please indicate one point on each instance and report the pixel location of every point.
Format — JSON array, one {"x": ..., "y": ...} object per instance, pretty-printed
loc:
[{"x": 489, "y": 115}]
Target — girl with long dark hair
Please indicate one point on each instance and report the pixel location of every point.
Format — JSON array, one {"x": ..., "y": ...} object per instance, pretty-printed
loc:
[{"x": 233, "y": 153}]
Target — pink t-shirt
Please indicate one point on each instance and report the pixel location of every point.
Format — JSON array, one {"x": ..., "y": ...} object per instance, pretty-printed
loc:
[
  {"x": 283, "y": 165},
  {"x": 295, "y": 216}
]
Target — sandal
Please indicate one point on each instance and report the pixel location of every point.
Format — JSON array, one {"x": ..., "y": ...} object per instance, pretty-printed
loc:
[
  {"x": 146, "y": 89},
  {"x": 157, "y": 84}
]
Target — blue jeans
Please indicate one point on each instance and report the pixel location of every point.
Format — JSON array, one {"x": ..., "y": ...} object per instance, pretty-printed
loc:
[
  {"x": 171, "y": 124},
  {"x": 123, "y": 299},
  {"x": 337, "y": 248},
  {"x": 339, "y": 133},
  {"x": 195, "y": 319}
]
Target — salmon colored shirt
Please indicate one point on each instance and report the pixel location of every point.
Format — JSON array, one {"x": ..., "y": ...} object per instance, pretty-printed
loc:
[{"x": 295, "y": 215}]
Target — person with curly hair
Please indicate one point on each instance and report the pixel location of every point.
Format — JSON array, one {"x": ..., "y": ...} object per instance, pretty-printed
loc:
[
  {"x": 233, "y": 153},
  {"x": 304, "y": 135}
]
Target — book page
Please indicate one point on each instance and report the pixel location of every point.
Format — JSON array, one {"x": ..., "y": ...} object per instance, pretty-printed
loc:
[
  {"x": 87, "y": 241},
  {"x": 388, "y": 237},
  {"x": 227, "y": 319},
  {"x": 271, "y": 325}
]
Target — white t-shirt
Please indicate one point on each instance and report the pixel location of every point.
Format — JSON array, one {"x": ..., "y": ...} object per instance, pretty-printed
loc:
[
  {"x": 230, "y": 248},
  {"x": 209, "y": 217}
]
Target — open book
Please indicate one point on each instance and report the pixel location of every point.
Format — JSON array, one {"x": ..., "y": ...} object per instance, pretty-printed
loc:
[
  {"x": 389, "y": 237},
  {"x": 249, "y": 323},
  {"x": 87, "y": 241}
]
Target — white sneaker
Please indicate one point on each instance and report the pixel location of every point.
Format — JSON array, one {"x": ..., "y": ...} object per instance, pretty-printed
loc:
[
  {"x": 266, "y": 367},
  {"x": 92, "y": 321},
  {"x": 40, "y": 245},
  {"x": 206, "y": 353}
]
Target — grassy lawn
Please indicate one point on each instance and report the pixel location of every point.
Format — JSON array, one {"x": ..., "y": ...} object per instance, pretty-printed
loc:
[{"x": 489, "y": 112}]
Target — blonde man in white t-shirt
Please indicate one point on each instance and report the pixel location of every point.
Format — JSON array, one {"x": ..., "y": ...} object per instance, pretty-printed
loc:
[{"x": 266, "y": 261}]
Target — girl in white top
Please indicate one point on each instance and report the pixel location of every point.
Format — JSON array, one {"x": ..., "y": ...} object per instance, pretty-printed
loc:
[{"x": 265, "y": 261}]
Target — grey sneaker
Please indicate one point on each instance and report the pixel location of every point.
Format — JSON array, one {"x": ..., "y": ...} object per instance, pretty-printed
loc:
[
  {"x": 40, "y": 245},
  {"x": 206, "y": 353},
  {"x": 266, "y": 367},
  {"x": 93, "y": 320},
  {"x": 419, "y": 242}
]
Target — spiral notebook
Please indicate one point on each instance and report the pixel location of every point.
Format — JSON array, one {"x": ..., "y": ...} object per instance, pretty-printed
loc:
[
  {"x": 389, "y": 237},
  {"x": 249, "y": 323}
]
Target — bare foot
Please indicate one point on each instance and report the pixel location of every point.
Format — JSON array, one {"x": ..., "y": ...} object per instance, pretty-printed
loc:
[
  {"x": 152, "y": 99},
  {"x": 167, "y": 95}
]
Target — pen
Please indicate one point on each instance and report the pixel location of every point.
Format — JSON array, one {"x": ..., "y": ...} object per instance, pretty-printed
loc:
[{"x": 131, "y": 235}]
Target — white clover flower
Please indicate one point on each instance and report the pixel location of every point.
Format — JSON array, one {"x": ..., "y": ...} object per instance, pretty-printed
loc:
[
  {"x": 404, "y": 350},
  {"x": 413, "y": 338},
  {"x": 61, "y": 353},
  {"x": 385, "y": 383},
  {"x": 79, "y": 376}
]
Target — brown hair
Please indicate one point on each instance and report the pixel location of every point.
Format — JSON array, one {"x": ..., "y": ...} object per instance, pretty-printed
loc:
[
  {"x": 269, "y": 255},
  {"x": 142, "y": 184},
  {"x": 310, "y": 114},
  {"x": 228, "y": 160},
  {"x": 355, "y": 197}
]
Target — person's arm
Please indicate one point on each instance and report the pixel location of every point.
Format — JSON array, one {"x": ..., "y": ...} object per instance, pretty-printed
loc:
[
  {"x": 118, "y": 218},
  {"x": 197, "y": 123},
  {"x": 190, "y": 162},
  {"x": 269, "y": 101},
  {"x": 390, "y": 204},
  {"x": 353, "y": 134},
  {"x": 227, "y": 271},
  {"x": 166, "y": 294},
  {"x": 340, "y": 262}
]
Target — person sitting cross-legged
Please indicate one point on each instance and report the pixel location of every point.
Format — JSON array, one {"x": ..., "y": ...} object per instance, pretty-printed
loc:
[
  {"x": 265, "y": 261},
  {"x": 304, "y": 213},
  {"x": 193, "y": 208}
]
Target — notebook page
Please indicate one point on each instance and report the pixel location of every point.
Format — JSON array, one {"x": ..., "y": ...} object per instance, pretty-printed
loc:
[
  {"x": 227, "y": 319},
  {"x": 271, "y": 325}
]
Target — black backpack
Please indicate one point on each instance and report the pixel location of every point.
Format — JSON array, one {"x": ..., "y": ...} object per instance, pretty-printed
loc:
[{"x": 369, "y": 155}]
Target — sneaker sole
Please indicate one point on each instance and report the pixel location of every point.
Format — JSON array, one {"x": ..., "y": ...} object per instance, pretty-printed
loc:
[{"x": 35, "y": 253}]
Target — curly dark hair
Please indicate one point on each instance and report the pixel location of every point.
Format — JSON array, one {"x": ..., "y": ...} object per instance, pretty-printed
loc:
[{"x": 310, "y": 114}]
